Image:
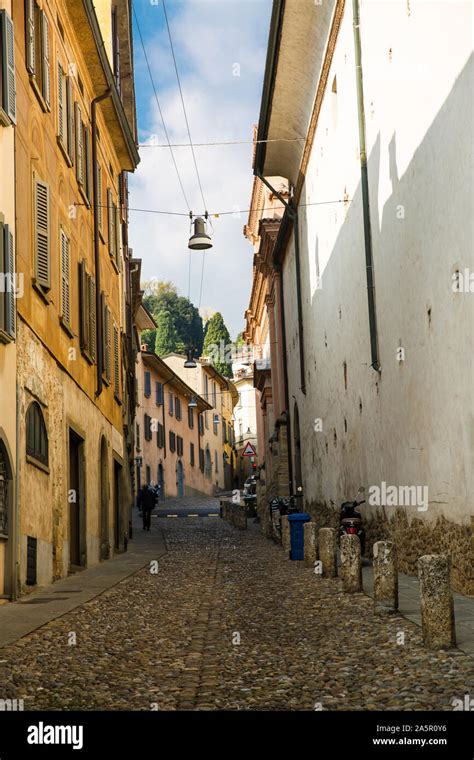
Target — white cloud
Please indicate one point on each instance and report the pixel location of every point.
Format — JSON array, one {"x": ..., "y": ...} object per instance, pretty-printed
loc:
[{"x": 209, "y": 38}]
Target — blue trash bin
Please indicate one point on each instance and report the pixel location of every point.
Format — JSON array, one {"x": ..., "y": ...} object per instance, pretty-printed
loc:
[{"x": 297, "y": 522}]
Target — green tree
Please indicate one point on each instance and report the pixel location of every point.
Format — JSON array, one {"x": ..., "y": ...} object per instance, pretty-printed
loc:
[
  {"x": 217, "y": 344},
  {"x": 166, "y": 335},
  {"x": 182, "y": 328}
]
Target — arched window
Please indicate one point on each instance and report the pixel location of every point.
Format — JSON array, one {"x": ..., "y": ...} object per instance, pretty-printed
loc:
[{"x": 36, "y": 436}]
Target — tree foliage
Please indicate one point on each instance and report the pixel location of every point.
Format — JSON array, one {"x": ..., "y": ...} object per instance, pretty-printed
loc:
[
  {"x": 217, "y": 344},
  {"x": 179, "y": 323}
]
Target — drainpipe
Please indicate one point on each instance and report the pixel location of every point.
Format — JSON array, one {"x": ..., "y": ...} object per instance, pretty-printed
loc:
[
  {"x": 95, "y": 192},
  {"x": 293, "y": 215},
  {"x": 369, "y": 263},
  {"x": 285, "y": 371}
]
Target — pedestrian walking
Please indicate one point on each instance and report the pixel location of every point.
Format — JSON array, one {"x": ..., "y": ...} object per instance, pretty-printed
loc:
[{"x": 146, "y": 501}]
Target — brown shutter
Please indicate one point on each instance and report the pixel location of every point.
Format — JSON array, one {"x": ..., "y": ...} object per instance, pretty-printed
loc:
[
  {"x": 65, "y": 278},
  {"x": 112, "y": 222},
  {"x": 93, "y": 319},
  {"x": 99, "y": 195},
  {"x": 70, "y": 119},
  {"x": 116, "y": 361},
  {"x": 83, "y": 306},
  {"x": 87, "y": 164},
  {"x": 79, "y": 144},
  {"x": 118, "y": 239},
  {"x": 42, "y": 234},
  {"x": 10, "y": 305},
  {"x": 61, "y": 106}
]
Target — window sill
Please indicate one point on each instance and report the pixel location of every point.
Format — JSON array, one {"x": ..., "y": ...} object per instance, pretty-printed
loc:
[
  {"x": 64, "y": 151},
  {"x": 36, "y": 463},
  {"x": 5, "y": 120},
  {"x": 84, "y": 196},
  {"x": 66, "y": 327},
  {"x": 39, "y": 94},
  {"x": 41, "y": 292},
  {"x": 5, "y": 337}
]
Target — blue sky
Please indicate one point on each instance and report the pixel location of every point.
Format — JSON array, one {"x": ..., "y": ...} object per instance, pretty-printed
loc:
[{"x": 220, "y": 47}]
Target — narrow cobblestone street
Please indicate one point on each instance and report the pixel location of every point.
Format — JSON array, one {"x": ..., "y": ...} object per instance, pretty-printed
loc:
[{"x": 228, "y": 622}]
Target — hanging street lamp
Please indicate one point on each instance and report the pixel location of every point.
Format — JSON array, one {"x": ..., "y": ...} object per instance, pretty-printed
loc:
[
  {"x": 192, "y": 403},
  {"x": 190, "y": 363},
  {"x": 200, "y": 240}
]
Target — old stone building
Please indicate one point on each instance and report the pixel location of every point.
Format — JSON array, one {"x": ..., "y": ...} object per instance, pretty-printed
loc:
[
  {"x": 75, "y": 143},
  {"x": 169, "y": 430},
  {"x": 10, "y": 287},
  {"x": 217, "y": 455},
  {"x": 369, "y": 131}
]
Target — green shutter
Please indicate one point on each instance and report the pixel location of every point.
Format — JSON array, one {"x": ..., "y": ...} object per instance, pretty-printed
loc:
[
  {"x": 9, "y": 269},
  {"x": 70, "y": 119},
  {"x": 93, "y": 318},
  {"x": 46, "y": 74},
  {"x": 116, "y": 361},
  {"x": 83, "y": 306},
  {"x": 61, "y": 106},
  {"x": 65, "y": 277},
  {"x": 30, "y": 36},
  {"x": 9, "y": 79},
  {"x": 99, "y": 195},
  {"x": 42, "y": 234}
]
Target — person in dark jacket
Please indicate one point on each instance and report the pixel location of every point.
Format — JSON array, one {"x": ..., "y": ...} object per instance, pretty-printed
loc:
[{"x": 146, "y": 502}]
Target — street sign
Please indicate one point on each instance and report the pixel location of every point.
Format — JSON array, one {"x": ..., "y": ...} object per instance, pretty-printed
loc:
[{"x": 249, "y": 451}]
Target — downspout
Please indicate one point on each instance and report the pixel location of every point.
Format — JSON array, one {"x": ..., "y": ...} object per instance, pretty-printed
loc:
[
  {"x": 285, "y": 371},
  {"x": 369, "y": 262},
  {"x": 293, "y": 215},
  {"x": 95, "y": 191}
]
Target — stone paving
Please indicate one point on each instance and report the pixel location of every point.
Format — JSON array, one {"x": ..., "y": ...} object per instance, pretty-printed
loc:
[{"x": 228, "y": 622}]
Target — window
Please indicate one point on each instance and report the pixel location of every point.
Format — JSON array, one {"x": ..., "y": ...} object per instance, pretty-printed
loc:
[
  {"x": 116, "y": 361},
  {"x": 170, "y": 403},
  {"x": 201, "y": 460},
  {"x": 7, "y": 286},
  {"x": 99, "y": 198},
  {"x": 191, "y": 417},
  {"x": 177, "y": 407},
  {"x": 160, "y": 436},
  {"x": 214, "y": 396},
  {"x": 172, "y": 441},
  {"x": 64, "y": 247},
  {"x": 216, "y": 461},
  {"x": 137, "y": 436},
  {"x": 159, "y": 393},
  {"x": 37, "y": 52},
  {"x": 147, "y": 427},
  {"x": 201, "y": 424},
  {"x": 147, "y": 390},
  {"x": 115, "y": 243},
  {"x": 179, "y": 446},
  {"x": 148, "y": 474},
  {"x": 206, "y": 387},
  {"x": 224, "y": 432},
  {"x": 65, "y": 114},
  {"x": 36, "y": 436},
  {"x": 215, "y": 420},
  {"x": 87, "y": 308},
  {"x": 83, "y": 155},
  {"x": 191, "y": 454},
  {"x": 106, "y": 339},
  {"x": 7, "y": 71},
  {"x": 206, "y": 421},
  {"x": 42, "y": 242}
]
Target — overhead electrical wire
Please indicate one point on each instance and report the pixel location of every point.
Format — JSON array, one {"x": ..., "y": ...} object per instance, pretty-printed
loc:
[
  {"x": 217, "y": 214},
  {"x": 159, "y": 108},
  {"x": 189, "y": 136},
  {"x": 223, "y": 142}
]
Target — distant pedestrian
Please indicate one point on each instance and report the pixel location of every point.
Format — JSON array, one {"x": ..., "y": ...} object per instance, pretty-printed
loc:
[{"x": 146, "y": 501}]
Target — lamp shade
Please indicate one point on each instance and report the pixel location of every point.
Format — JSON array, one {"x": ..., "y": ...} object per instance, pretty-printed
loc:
[
  {"x": 200, "y": 240},
  {"x": 192, "y": 403},
  {"x": 190, "y": 362}
]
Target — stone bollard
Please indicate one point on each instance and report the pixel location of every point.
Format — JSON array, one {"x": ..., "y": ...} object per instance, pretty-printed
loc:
[
  {"x": 385, "y": 577},
  {"x": 351, "y": 563},
  {"x": 328, "y": 552},
  {"x": 285, "y": 533},
  {"x": 310, "y": 543},
  {"x": 436, "y": 601}
]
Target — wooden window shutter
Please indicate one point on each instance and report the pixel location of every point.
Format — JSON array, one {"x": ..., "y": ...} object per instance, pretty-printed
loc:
[
  {"x": 61, "y": 105},
  {"x": 79, "y": 144},
  {"x": 46, "y": 73},
  {"x": 112, "y": 222},
  {"x": 84, "y": 308},
  {"x": 99, "y": 195},
  {"x": 87, "y": 164},
  {"x": 93, "y": 319},
  {"x": 9, "y": 78},
  {"x": 70, "y": 119},
  {"x": 116, "y": 361},
  {"x": 118, "y": 239},
  {"x": 30, "y": 36},
  {"x": 42, "y": 234},
  {"x": 10, "y": 305},
  {"x": 3, "y": 269},
  {"x": 65, "y": 278},
  {"x": 106, "y": 340}
]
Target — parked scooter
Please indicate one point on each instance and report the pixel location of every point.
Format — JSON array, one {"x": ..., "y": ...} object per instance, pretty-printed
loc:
[{"x": 350, "y": 520}]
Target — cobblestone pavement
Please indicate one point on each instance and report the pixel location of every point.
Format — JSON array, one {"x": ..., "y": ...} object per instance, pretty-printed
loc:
[{"x": 170, "y": 641}]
